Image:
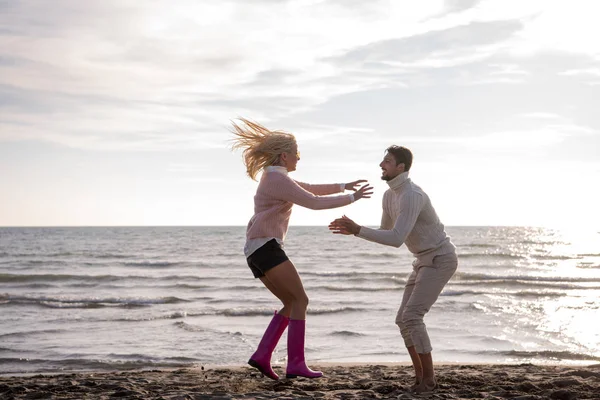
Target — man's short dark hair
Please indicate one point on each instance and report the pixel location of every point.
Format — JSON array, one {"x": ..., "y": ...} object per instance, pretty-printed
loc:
[{"x": 402, "y": 156}]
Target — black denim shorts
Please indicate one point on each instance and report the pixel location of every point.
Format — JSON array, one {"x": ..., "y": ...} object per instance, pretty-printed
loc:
[{"x": 267, "y": 256}]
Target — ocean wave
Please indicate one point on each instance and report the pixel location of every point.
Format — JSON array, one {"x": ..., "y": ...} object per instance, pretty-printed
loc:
[
  {"x": 173, "y": 315},
  {"x": 150, "y": 285},
  {"x": 37, "y": 286},
  {"x": 531, "y": 293},
  {"x": 588, "y": 265},
  {"x": 479, "y": 245},
  {"x": 58, "y": 302},
  {"x": 387, "y": 353},
  {"x": 5, "y": 278},
  {"x": 188, "y": 286},
  {"x": 461, "y": 292},
  {"x": 548, "y": 354},
  {"x": 177, "y": 314},
  {"x": 400, "y": 281},
  {"x": 242, "y": 312},
  {"x": 31, "y": 333},
  {"x": 189, "y": 327},
  {"x": 15, "y": 365},
  {"x": 338, "y": 310},
  {"x": 90, "y": 285},
  {"x": 251, "y": 312},
  {"x": 152, "y": 264},
  {"x": 346, "y": 334},
  {"x": 383, "y": 280},
  {"x": 352, "y": 274},
  {"x": 36, "y": 254},
  {"x": 542, "y": 242},
  {"x": 54, "y": 277},
  {"x": 111, "y": 256},
  {"x": 240, "y": 288},
  {"x": 470, "y": 276},
  {"x": 316, "y": 311},
  {"x": 558, "y": 257},
  {"x": 232, "y": 312},
  {"x": 37, "y": 263},
  {"x": 375, "y": 255},
  {"x": 528, "y": 283},
  {"x": 509, "y": 256},
  {"x": 356, "y": 288},
  {"x": 522, "y": 293},
  {"x": 67, "y": 254},
  {"x": 217, "y": 301}
]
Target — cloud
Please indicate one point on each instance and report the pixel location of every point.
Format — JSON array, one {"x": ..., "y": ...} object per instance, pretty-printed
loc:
[
  {"x": 586, "y": 71},
  {"x": 157, "y": 75},
  {"x": 452, "y": 6},
  {"x": 448, "y": 43},
  {"x": 585, "y": 74},
  {"x": 540, "y": 115},
  {"x": 569, "y": 27},
  {"x": 98, "y": 73}
]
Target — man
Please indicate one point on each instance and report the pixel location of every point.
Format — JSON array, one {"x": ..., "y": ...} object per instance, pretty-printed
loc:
[{"x": 408, "y": 217}]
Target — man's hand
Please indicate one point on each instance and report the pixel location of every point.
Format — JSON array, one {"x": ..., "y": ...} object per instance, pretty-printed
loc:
[{"x": 344, "y": 226}]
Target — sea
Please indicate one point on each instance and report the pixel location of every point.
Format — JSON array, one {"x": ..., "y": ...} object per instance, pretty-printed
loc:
[{"x": 120, "y": 298}]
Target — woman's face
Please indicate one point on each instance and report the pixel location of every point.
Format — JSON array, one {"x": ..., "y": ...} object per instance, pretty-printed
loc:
[{"x": 291, "y": 158}]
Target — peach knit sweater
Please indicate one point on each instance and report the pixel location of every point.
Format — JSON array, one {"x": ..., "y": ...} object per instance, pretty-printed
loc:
[{"x": 275, "y": 196}]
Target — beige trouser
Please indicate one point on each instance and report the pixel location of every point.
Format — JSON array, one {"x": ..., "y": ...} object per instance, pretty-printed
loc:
[{"x": 424, "y": 285}]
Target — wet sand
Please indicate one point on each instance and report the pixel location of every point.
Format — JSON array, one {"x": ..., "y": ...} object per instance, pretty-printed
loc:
[{"x": 356, "y": 381}]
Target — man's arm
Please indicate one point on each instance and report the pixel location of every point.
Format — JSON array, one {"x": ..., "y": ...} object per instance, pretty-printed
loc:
[
  {"x": 410, "y": 208},
  {"x": 411, "y": 205}
]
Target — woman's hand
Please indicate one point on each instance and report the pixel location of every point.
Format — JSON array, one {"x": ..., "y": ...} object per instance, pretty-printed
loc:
[
  {"x": 344, "y": 226},
  {"x": 364, "y": 192},
  {"x": 352, "y": 185}
]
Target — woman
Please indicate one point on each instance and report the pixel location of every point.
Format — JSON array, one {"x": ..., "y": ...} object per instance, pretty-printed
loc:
[{"x": 275, "y": 153}]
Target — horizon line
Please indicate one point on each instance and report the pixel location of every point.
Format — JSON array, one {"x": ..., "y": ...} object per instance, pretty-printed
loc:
[{"x": 242, "y": 226}]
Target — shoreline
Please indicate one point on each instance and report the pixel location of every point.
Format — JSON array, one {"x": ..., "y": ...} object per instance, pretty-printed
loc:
[
  {"x": 341, "y": 380},
  {"x": 346, "y": 364}
]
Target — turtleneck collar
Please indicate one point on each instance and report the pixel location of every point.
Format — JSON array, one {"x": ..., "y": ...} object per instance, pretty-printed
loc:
[
  {"x": 276, "y": 168},
  {"x": 398, "y": 180}
]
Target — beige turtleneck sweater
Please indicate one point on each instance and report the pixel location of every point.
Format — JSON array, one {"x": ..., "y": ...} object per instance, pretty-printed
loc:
[{"x": 408, "y": 217}]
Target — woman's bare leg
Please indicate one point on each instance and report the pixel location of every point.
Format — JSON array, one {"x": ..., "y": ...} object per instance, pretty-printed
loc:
[
  {"x": 282, "y": 295},
  {"x": 285, "y": 279},
  {"x": 285, "y": 283}
]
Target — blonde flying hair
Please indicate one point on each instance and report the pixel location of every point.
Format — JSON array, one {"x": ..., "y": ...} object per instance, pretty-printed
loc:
[{"x": 261, "y": 147}]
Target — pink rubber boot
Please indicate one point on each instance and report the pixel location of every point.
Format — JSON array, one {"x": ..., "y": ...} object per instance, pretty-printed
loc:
[
  {"x": 261, "y": 359},
  {"x": 296, "y": 363}
]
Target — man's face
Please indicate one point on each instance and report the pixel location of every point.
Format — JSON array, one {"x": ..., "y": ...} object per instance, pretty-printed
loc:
[{"x": 389, "y": 168}]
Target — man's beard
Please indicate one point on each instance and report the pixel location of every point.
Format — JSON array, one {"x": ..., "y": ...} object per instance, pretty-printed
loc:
[{"x": 385, "y": 178}]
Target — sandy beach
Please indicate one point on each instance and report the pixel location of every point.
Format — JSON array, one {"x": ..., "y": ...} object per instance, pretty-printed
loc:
[{"x": 363, "y": 381}]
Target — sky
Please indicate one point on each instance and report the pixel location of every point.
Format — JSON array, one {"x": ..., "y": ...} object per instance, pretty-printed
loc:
[{"x": 118, "y": 112}]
